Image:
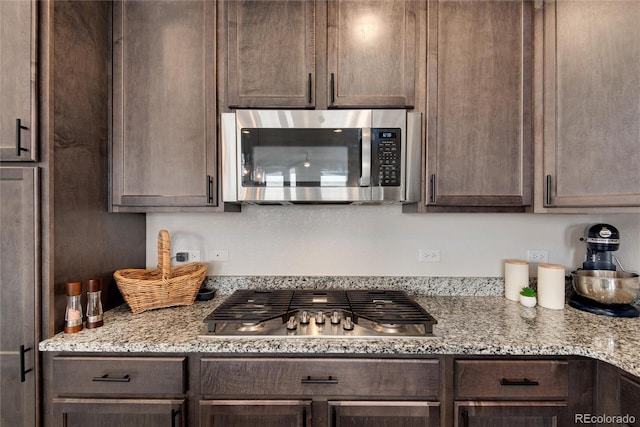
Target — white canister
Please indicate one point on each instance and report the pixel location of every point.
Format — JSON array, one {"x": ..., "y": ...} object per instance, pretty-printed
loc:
[
  {"x": 551, "y": 286},
  {"x": 516, "y": 277}
]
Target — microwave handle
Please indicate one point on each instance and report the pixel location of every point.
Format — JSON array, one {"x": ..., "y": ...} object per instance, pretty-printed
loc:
[{"x": 365, "y": 177}]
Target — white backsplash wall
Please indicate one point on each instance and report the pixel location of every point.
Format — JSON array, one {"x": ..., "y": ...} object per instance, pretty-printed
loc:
[{"x": 380, "y": 240}]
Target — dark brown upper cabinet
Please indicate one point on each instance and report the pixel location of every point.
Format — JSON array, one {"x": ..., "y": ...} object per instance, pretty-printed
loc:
[
  {"x": 164, "y": 152},
  {"x": 18, "y": 89},
  {"x": 591, "y": 149},
  {"x": 479, "y": 106},
  {"x": 270, "y": 59},
  {"x": 372, "y": 53},
  {"x": 319, "y": 54}
]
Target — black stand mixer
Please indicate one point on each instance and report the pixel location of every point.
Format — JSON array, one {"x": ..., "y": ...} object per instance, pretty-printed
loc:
[{"x": 599, "y": 287}]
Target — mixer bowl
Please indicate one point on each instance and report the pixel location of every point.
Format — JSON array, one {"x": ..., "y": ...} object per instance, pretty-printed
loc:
[{"x": 608, "y": 287}]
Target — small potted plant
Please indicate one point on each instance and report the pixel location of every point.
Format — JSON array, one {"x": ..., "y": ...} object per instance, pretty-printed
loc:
[{"x": 528, "y": 297}]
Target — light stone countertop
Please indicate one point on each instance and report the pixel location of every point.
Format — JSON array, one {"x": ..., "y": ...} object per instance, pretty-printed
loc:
[{"x": 467, "y": 325}]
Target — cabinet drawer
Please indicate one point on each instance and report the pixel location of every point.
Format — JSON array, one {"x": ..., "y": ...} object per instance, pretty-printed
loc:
[
  {"x": 314, "y": 377},
  {"x": 122, "y": 376},
  {"x": 546, "y": 379}
]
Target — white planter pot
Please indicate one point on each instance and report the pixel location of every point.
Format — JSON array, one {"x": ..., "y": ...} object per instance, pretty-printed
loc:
[{"x": 528, "y": 301}]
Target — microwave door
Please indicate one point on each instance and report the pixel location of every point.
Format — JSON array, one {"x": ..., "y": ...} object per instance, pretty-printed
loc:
[{"x": 302, "y": 165}]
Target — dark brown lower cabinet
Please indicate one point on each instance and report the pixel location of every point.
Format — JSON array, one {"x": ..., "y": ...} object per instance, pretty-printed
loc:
[
  {"x": 224, "y": 390},
  {"x": 71, "y": 412},
  {"x": 319, "y": 392},
  {"x": 629, "y": 402},
  {"x": 299, "y": 413},
  {"x": 510, "y": 414},
  {"x": 255, "y": 413},
  {"x": 117, "y": 391}
]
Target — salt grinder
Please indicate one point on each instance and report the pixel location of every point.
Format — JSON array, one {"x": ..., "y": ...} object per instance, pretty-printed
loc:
[
  {"x": 73, "y": 313},
  {"x": 94, "y": 304}
]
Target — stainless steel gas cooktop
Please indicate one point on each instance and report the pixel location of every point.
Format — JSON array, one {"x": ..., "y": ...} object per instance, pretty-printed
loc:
[{"x": 319, "y": 313}]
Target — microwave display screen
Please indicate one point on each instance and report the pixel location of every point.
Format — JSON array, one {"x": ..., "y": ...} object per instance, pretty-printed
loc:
[{"x": 300, "y": 157}]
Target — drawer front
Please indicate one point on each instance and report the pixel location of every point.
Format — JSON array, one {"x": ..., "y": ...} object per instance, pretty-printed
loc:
[
  {"x": 314, "y": 377},
  {"x": 509, "y": 379},
  {"x": 121, "y": 376}
]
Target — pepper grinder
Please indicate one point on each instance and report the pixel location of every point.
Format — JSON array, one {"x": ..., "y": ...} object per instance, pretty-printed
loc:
[
  {"x": 94, "y": 304},
  {"x": 73, "y": 313}
]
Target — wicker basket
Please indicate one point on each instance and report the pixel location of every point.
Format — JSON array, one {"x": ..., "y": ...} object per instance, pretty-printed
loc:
[{"x": 164, "y": 287}]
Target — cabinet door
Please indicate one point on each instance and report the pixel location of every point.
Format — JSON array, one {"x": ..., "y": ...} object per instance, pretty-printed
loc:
[
  {"x": 479, "y": 117},
  {"x": 384, "y": 413},
  {"x": 255, "y": 413},
  {"x": 18, "y": 234},
  {"x": 270, "y": 53},
  {"x": 511, "y": 414},
  {"x": 18, "y": 121},
  {"x": 118, "y": 412},
  {"x": 592, "y": 103},
  {"x": 630, "y": 401},
  {"x": 164, "y": 123},
  {"x": 372, "y": 53}
]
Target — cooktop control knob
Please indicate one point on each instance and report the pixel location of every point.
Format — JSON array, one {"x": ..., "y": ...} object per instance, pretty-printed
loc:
[
  {"x": 320, "y": 318},
  {"x": 335, "y": 318},
  {"x": 292, "y": 325},
  {"x": 347, "y": 325},
  {"x": 304, "y": 318}
]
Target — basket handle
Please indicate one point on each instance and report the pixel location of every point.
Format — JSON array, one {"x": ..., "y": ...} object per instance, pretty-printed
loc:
[{"x": 164, "y": 254}]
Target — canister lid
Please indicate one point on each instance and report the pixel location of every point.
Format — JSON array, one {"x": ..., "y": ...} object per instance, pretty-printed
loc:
[
  {"x": 516, "y": 261},
  {"x": 73, "y": 288},
  {"x": 93, "y": 285},
  {"x": 554, "y": 266}
]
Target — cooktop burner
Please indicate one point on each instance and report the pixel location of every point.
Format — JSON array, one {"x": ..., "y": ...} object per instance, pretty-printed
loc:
[{"x": 319, "y": 313}]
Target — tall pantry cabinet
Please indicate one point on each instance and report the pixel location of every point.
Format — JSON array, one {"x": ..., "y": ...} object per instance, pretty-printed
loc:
[
  {"x": 18, "y": 294},
  {"x": 19, "y": 215},
  {"x": 53, "y": 210}
]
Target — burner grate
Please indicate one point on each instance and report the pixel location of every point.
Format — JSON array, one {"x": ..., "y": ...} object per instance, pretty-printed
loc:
[
  {"x": 388, "y": 307},
  {"x": 247, "y": 306}
]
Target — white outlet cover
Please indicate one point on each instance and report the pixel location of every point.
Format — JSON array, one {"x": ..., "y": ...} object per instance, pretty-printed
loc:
[{"x": 429, "y": 255}]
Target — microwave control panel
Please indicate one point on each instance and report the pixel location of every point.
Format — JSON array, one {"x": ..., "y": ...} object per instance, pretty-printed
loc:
[{"x": 386, "y": 153}]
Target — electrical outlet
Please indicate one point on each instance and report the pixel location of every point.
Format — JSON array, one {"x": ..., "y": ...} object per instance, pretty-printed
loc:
[
  {"x": 217, "y": 255},
  {"x": 183, "y": 257},
  {"x": 429, "y": 255},
  {"x": 537, "y": 256}
]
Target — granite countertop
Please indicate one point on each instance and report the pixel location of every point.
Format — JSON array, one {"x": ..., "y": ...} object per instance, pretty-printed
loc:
[{"x": 469, "y": 324}]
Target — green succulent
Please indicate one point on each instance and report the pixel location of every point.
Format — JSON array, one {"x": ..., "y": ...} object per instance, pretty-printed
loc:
[{"x": 528, "y": 292}]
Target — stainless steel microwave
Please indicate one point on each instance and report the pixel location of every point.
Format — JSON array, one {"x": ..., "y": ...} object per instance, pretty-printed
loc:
[{"x": 321, "y": 156}]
